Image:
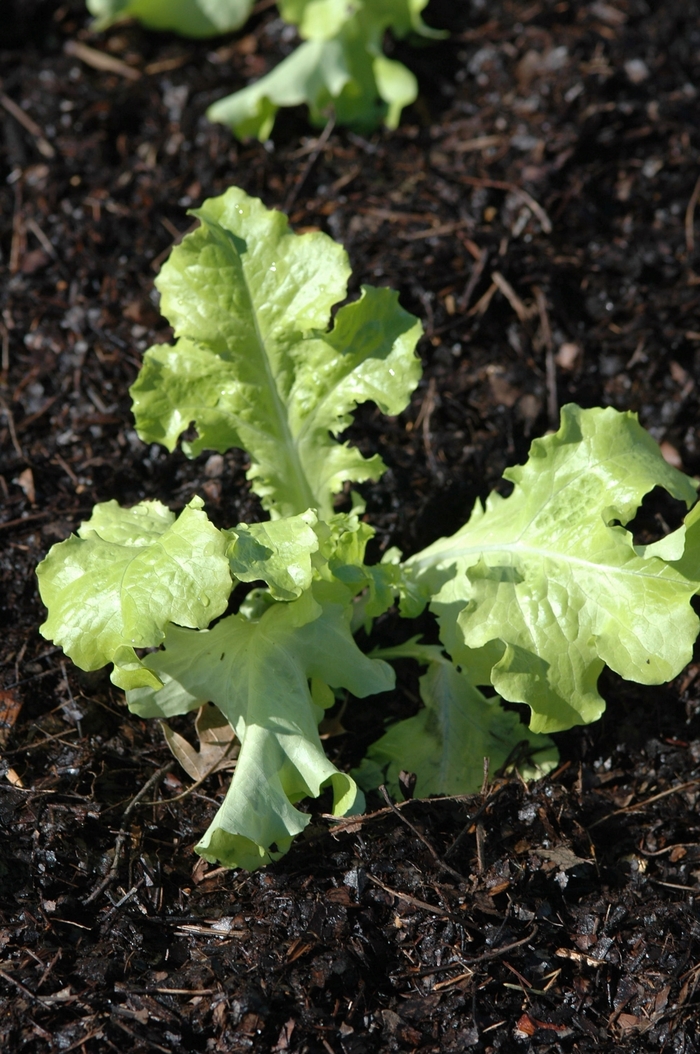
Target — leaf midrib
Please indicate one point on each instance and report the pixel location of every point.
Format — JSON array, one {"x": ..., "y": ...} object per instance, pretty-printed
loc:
[
  {"x": 458, "y": 553},
  {"x": 302, "y": 487}
]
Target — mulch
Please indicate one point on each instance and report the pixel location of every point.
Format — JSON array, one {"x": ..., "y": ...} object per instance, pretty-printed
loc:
[{"x": 538, "y": 208}]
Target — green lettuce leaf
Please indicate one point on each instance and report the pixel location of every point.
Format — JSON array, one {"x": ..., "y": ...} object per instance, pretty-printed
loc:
[
  {"x": 323, "y": 18},
  {"x": 128, "y": 574},
  {"x": 539, "y": 590},
  {"x": 255, "y": 366},
  {"x": 681, "y": 548},
  {"x": 319, "y": 19},
  {"x": 446, "y": 742},
  {"x": 278, "y": 552},
  {"x": 190, "y": 18},
  {"x": 258, "y": 672},
  {"x": 339, "y": 68}
]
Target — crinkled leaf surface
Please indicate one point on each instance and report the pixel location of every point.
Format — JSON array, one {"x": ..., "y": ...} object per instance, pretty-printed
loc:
[
  {"x": 258, "y": 673},
  {"x": 128, "y": 574},
  {"x": 319, "y": 19},
  {"x": 339, "y": 68},
  {"x": 446, "y": 742},
  {"x": 546, "y": 586},
  {"x": 278, "y": 552},
  {"x": 254, "y": 365},
  {"x": 316, "y": 73},
  {"x": 323, "y": 18},
  {"x": 190, "y": 18}
]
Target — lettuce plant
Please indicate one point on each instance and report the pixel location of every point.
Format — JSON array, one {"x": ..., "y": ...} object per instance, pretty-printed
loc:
[
  {"x": 191, "y": 18},
  {"x": 533, "y": 596},
  {"x": 339, "y": 67}
]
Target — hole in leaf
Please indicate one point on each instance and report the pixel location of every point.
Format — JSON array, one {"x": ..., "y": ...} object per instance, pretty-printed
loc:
[{"x": 658, "y": 515}]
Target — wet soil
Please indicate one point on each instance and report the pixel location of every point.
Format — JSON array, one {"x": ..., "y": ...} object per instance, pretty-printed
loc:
[{"x": 537, "y": 209}]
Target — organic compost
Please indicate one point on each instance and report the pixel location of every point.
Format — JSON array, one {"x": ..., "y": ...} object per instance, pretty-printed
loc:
[{"x": 538, "y": 208}]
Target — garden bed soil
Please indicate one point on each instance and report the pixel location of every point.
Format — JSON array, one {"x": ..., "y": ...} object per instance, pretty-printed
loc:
[{"x": 537, "y": 209}]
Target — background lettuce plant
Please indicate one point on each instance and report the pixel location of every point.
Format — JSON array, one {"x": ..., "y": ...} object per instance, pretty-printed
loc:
[
  {"x": 339, "y": 68},
  {"x": 533, "y": 596},
  {"x": 190, "y": 18}
]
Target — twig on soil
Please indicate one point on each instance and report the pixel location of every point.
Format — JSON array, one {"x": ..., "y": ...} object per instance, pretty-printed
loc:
[
  {"x": 26, "y": 991},
  {"x": 97, "y": 1033},
  {"x": 45, "y": 243},
  {"x": 40, "y": 742},
  {"x": 9, "y": 417},
  {"x": 465, "y": 976},
  {"x": 104, "y": 924},
  {"x": 99, "y": 60},
  {"x": 177, "y": 237},
  {"x": 433, "y": 852},
  {"x": 16, "y": 523},
  {"x": 647, "y": 801},
  {"x": 424, "y": 414},
  {"x": 351, "y": 824},
  {"x": 463, "y": 302},
  {"x": 48, "y": 967},
  {"x": 480, "y": 142},
  {"x": 124, "y": 834},
  {"x": 483, "y": 302},
  {"x": 42, "y": 144},
  {"x": 690, "y": 218},
  {"x": 166, "y": 65},
  {"x": 5, "y": 357},
  {"x": 495, "y": 953},
  {"x": 518, "y": 192},
  {"x": 190, "y": 790},
  {"x": 550, "y": 364},
  {"x": 473, "y": 819},
  {"x": 18, "y": 244},
  {"x": 524, "y": 314},
  {"x": 423, "y": 904},
  {"x": 436, "y": 232},
  {"x": 134, "y": 1035},
  {"x": 173, "y": 991},
  {"x": 674, "y": 885},
  {"x": 668, "y": 848},
  {"x": 428, "y": 971},
  {"x": 313, "y": 158}
]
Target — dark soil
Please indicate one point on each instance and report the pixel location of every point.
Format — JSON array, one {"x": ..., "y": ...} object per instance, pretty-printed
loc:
[{"x": 555, "y": 151}]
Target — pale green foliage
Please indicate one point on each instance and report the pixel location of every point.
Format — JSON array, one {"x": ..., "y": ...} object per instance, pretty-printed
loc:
[
  {"x": 533, "y": 595},
  {"x": 339, "y": 68},
  {"x": 445, "y": 743},
  {"x": 257, "y": 673},
  {"x": 539, "y": 590},
  {"x": 127, "y": 575},
  {"x": 321, "y": 19},
  {"x": 279, "y": 552},
  {"x": 255, "y": 365},
  {"x": 190, "y": 18}
]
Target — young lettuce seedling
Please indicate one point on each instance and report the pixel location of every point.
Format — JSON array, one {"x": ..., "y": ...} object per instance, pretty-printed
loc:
[
  {"x": 533, "y": 595},
  {"x": 190, "y": 18},
  {"x": 340, "y": 66}
]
